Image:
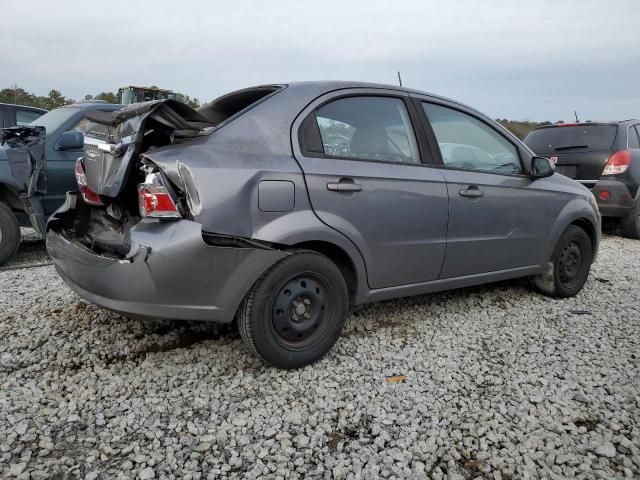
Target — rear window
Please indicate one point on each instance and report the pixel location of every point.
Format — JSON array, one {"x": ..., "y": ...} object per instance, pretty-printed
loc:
[
  {"x": 223, "y": 108},
  {"x": 579, "y": 138}
]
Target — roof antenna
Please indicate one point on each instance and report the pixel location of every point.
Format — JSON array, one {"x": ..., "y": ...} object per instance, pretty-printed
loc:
[
  {"x": 399, "y": 79},
  {"x": 576, "y": 114}
]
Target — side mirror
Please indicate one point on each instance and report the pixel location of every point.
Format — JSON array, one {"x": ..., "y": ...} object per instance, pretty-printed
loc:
[
  {"x": 71, "y": 140},
  {"x": 541, "y": 168}
]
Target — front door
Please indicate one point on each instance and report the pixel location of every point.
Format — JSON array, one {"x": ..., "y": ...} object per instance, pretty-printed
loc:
[
  {"x": 366, "y": 178},
  {"x": 499, "y": 219}
]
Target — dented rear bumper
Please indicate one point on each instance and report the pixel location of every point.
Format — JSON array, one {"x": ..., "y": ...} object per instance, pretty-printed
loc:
[{"x": 170, "y": 272}]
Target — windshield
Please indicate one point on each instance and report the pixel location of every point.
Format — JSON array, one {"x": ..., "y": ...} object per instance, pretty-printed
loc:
[
  {"x": 578, "y": 138},
  {"x": 52, "y": 120}
]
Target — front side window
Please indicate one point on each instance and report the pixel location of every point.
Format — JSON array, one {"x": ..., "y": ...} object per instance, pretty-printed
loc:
[
  {"x": 368, "y": 128},
  {"x": 468, "y": 143},
  {"x": 25, "y": 117}
]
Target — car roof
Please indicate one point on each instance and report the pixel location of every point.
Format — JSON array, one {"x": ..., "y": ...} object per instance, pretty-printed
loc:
[
  {"x": 94, "y": 106},
  {"x": 44, "y": 110},
  {"x": 326, "y": 86},
  {"x": 330, "y": 85}
]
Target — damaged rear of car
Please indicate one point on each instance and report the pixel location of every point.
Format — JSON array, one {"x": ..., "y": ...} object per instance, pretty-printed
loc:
[
  {"x": 127, "y": 239},
  {"x": 186, "y": 214}
]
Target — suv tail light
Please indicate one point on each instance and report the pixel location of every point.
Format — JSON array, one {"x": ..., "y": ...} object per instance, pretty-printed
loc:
[
  {"x": 155, "y": 200},
  {"x": 89, "y": 196},
  {"x": 618, "y": 163}
]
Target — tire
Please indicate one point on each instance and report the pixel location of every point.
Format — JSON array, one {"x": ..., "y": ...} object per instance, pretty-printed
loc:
[
  {"x": 630, "y": 225},
  {"x": 295, "y": 312},
  {"x": 569, "y": 265},
  {"x": 9, "y": 233}
]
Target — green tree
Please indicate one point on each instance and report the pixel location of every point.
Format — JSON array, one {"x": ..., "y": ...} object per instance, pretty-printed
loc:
[
  {"x": 522, "y": 127},
  {"x": 55, "y": 99},
  {"x": 110, "y": 97},
  {"x": 18, "y": 96}
]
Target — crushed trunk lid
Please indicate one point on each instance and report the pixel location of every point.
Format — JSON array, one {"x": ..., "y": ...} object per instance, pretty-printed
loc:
[
  {"x": 25, "y": 154},
  {"x": 113, "y": 146}
]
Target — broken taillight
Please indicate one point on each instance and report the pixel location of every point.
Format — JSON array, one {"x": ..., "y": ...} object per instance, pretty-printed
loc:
[
  {"x": 155, "y": 200},
  {"x": 89, "y": 196},
  {"x": 618, "y": 163}
]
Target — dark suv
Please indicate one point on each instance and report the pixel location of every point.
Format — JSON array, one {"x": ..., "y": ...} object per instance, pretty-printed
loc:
[
  {"x": 604, "y": 157},
  {"x": 12, "y": 115}
]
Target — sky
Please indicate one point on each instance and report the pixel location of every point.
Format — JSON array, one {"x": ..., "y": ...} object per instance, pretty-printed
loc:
[{"x": 534, "y": 59}]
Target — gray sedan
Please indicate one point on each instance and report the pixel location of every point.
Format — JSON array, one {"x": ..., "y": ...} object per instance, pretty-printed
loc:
[{"x": 281, "y": 205}]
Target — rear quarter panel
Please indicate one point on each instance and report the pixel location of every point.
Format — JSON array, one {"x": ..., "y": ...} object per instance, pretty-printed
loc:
[{"x": 226, "y": 168}]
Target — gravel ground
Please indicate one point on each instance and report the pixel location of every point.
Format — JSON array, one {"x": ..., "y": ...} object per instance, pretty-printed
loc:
[{"x": 500, "y": 383}]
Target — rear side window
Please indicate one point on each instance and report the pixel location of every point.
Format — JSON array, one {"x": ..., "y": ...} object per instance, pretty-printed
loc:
[
  {"x": 366, "y": 128},
  {"x": 468, "y": 143},
  {"x": 634, "y": 139},
  {"x": 25, "y": 117},
  {"x": 569, "y": 139}
]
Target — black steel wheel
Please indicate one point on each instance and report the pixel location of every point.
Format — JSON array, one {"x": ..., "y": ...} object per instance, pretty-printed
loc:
[
  {"x": 295, "y": 312},
  {"x": 569, "y": 265},
  {"x": 299, "y": 308}
]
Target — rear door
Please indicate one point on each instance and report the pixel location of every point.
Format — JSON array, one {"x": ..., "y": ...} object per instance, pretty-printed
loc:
[
  {"x": 580, "y": 151},
  {"x": 498, "y": 217},
  {"x": 363, "y": 166}
]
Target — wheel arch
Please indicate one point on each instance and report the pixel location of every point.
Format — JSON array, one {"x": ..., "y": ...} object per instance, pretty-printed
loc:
[
  {"x": 338, "y": 256},
  {"x": 590, "y": 229},
  {"x": 577, "y": 212}
]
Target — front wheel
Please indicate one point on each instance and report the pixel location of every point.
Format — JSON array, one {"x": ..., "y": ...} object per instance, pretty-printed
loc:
[
  {"x": 569, "y": 265},
  {"x": 295, "y": 312}
]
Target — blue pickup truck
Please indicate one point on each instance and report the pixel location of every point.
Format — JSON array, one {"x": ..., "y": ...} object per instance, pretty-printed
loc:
[{"x": 37, "y": 168}]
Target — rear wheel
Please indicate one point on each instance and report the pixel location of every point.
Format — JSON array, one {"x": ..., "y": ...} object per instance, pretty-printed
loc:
[
  {"x": 294, "y": 313},
  {"x": 569, "y": 265},
  {"x": 9, "y": 233},
  {"x": 630, "y": 225}
]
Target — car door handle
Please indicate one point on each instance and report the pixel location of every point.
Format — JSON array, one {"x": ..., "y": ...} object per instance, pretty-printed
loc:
[
  {"x": 344, "y": 187},
  {"x": 473, "y": 192}
]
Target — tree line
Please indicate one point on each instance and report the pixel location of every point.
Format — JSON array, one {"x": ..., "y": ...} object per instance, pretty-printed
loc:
[{"x": 55, "y": 98}]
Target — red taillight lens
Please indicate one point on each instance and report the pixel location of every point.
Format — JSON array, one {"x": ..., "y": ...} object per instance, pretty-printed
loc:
[
  {"x": 604, "y": 195},
  {"x": 155, "y": 200},
  {"x": 89, "y": 196},
  {"x": 618, "y": 163}
]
